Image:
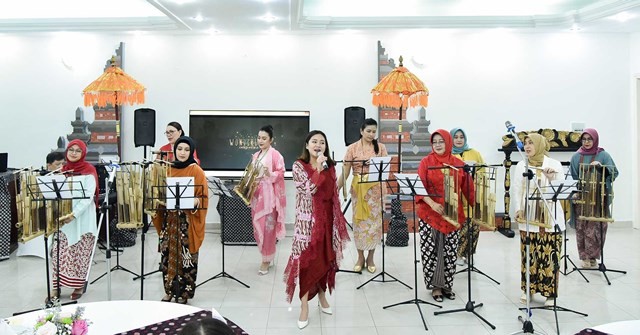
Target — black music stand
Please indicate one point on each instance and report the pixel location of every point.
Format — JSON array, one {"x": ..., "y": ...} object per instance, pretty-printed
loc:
[
  {"x": 471, "y": 305},
  {"x": 380, "y": 171},
  {"x": 55, "y": 188},
  {"x": 554, "y": 192},
  {"x": 565, "y": 256},
  {"x": 216, "y": 186},
  {"x": 180, "y": 196},
  {"x": 601, "y": 267},
  {"x": 410, "y": 185},
  {"x": 145, "y": 222},
  {"x": 104, "y": 214},
  {"x": 472, "y": 169}
]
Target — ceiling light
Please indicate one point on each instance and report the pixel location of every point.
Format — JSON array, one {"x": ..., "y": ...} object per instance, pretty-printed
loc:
[
  {"x": 198, "y": 18},
  {"x": 622, "y": 16},
  {"x": 268, "y": 17},
  {"x": 213, "y": 31}
]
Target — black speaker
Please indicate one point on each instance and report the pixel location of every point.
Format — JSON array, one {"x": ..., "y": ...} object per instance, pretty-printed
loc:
[
  {"x": 353, "y": 120},
  {"x": 144, "y": 132}
]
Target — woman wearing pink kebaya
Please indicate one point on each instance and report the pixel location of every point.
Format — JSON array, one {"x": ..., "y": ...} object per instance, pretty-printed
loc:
[{"x": 268, "y": 202}]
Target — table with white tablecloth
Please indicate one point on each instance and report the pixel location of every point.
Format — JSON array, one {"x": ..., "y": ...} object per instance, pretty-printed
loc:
[{"x": 112, "y": 317}]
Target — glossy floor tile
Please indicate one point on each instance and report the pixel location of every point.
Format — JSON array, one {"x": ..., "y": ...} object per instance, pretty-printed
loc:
[{"x": 262, "y": 308}]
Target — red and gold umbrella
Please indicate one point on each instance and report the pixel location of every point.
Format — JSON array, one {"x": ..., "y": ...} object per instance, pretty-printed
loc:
[{"x": 400, "y": 88}]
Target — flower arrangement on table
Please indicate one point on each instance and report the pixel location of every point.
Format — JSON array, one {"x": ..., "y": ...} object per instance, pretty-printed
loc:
[{"x": 56, "y": 322}]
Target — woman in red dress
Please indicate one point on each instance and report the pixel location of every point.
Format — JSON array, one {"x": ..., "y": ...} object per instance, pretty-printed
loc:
[
  {"x": 438, "y": 230},
  {"x": 173, "y": 132},
  {"x": 320, "y": 229}
]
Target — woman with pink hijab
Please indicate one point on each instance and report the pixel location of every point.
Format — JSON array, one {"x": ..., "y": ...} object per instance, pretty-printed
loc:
[{"x": 589, "y": 236}]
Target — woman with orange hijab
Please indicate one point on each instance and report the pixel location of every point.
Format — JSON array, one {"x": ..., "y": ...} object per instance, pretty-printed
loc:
[
  {"x": 181, "y": 232},
  {"x": 438, "y": 236}
]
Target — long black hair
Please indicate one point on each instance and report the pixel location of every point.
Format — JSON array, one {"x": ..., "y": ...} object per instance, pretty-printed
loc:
[
  {"x": 176, "y": 125},
  {"x": 365, "y": 124},
  {"x": 306, "y": 156}
]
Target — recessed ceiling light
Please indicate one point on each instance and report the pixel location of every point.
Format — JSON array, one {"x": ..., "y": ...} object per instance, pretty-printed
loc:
[
  {"x": 622, "y": 16},
  {"x": 198, "y": 18},
  {"x": 268, "y": 17},
  {"x": 213, "y": 31}
]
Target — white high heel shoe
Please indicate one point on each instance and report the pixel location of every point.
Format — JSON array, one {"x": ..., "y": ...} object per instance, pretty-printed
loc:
[
  {"x": 327, "y": 310},
  {"x": 302, "y": 324}
]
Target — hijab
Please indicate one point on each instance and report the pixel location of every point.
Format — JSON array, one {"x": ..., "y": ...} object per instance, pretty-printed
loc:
[
  {"x": 465, "y": 146},
  {"x": 541, "y": 146},
  {"x": 80, "y": 167},
  {"x": 446, "y": 157},
  {"x": 595, "y": 149},
  {"x": 192, "y": 148}
]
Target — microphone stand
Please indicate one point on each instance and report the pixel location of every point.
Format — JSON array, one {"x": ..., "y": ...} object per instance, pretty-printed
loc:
[{"x": 527, "y": 325}]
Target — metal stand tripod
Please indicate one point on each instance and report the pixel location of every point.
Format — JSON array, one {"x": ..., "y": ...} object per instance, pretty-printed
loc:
[
  {"x": 415, "y": 299},
  {"x": 218, "y": 190},
  {"x": 104, "y": 213},
  {"x": 601, "y": 267},
  {"x": 470, "y": 305},
  {"x": 381, "y": 169}
]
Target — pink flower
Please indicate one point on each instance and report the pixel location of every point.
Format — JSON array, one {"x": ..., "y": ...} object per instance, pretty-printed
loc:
[{"x": 79, "y": 327}]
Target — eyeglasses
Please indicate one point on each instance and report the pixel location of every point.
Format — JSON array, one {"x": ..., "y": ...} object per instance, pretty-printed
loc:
[
  {"x": 587, "y": 140},
  {"x": 78, "y": 151},
  {"x": 169, "y": 132},
  {"x": 438, "y": 143}
]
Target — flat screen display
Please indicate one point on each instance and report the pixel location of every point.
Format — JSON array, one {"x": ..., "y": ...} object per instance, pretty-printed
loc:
[{"x": 226, "y": 140}]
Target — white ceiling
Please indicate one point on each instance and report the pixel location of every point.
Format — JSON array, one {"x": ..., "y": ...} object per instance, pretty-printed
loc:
[{"x": 250, "y": 16}]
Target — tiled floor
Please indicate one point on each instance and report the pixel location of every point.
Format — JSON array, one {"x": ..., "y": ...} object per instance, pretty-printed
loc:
[{"x": 262, "y": 309}]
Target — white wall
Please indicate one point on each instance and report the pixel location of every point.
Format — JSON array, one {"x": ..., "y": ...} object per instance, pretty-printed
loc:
[{"x": 477, "y": 79}]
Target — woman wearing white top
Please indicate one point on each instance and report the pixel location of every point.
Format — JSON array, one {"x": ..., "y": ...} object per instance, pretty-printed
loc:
[{"x": 545, "y": 243}]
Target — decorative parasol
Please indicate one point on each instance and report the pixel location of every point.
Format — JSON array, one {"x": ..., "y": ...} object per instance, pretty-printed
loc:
[
  {"x": 113, "y": 87},
  {"x": 400, "y": 88},
  {"x": 116, "y": 88}
]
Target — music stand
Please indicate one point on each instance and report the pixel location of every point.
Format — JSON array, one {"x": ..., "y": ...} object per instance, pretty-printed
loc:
[
  {"x": 556, "y": 190},
  {"x": 472, "y": 169},
  {"x": 55, "y": 188},
  {"x": 344, "y": 211},
  {"x": 601, "y": 267},
  {"x": 379, "y": 170},
  {"x": 216, "y": 186},
  {"x": 410, "y": 185},
  {"x": 180, "y": 196},
  {"x": 104, "y": 213},
  {"x": 471, "y": 305},
  {"x": 570, "y": 182}
]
